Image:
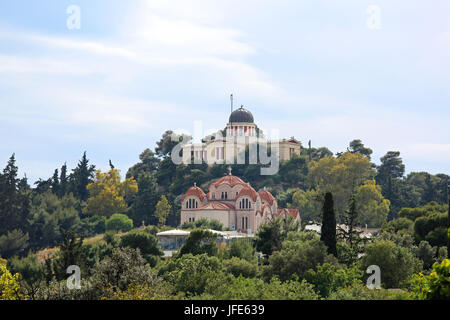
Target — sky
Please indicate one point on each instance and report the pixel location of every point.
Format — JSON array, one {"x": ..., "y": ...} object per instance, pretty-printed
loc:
[{"x": 325, "y": 71}]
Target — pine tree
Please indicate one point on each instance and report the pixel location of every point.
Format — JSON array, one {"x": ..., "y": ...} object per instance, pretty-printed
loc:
[
  {"x": 81, "y": 176},
  {"x": 14, "y": 201},
  {"x": 328, "y": 232}
]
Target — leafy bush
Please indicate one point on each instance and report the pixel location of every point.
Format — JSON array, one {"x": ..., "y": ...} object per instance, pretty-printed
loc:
[
  {"x": 146, "y": 242},
  {"x": 9, "y": 285},
  {"x": 432, "y": 228},
  {"x": 119, "y": 222},
  {"x": 239, "y": 267},
  {"x": 231, "y": 288},
  {"x": 397, "y": 264},
  {"x": 295, "y": 258},
  {"x": 13, "y": 243},
  {"x": 327, "y": 278},
  {"x": 435, "y": 286},
  {"x": 200, "y": 241},
  {"x": 190, "y": 274},
  {"x": 359, "y": 291}
]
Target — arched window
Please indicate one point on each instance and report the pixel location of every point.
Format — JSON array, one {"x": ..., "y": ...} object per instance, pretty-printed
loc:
[{"x": 189, "y": 203}]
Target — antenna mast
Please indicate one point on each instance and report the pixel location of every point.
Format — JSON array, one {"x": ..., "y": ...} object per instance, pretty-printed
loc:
[{"x": 231, "y": 98}]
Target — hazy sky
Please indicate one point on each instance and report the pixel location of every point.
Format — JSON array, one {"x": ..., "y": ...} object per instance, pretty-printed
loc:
[{"x": 311, "y": 69}]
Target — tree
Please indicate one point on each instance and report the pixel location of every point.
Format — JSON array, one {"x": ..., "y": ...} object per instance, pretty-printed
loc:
[
  {"x": 200, "y": 241},
  {"x": 9, "y": 285},
  {"x": 435, "y": 286},
  {"x": 426, "y": 253},
  {"x": 13, "y": 243},
  {"x": 191, "y": 274},
  {"x": 81, "y": 176},
  {"x": 145, "y": 201},
  {"x": 397, "y": 264},
  {"x": 340, "y": 176},
  {"x": 119, "y": 222},
  {"x": 328, "y": 278},
  {"x": 14, "y": 200},
  {"x": 371, "y": 205},
  {"x": 309, "y": 203},
  {"x": 349, "y": 233},
  {"x": 70, "y": 253},
  {"x": 146, "y": 242},
  {"x": 108, "y": 195},
  {"x": 149, "y": 164},
  {"x": 356, "y": 146},
  {"x": 328, "y": 231},
  {"x": 295, "y": 258},
  {"x": 271, "y": 235},
  {"x": 55, "y": 182},
  {"x": 168, "y": 141},
  {"x": 389, "y": 171},
  {"x": 63, "y": 181},
  {"x": 162, "y": 210}
]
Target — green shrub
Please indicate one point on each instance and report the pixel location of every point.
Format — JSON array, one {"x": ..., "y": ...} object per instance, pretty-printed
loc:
[
  {"x": 119, "y": 222},
  {"x": 239, "y": 267},
  {"x": 435, "y": 286}
]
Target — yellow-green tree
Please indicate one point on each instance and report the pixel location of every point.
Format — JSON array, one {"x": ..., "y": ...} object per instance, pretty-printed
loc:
[
  {"x": 107, "y": 193},
  {"x": 9, "y": 285},
  {"x": 162, "y": 210},
  {"x": 372, "y": 208},
  {"x": 340, "y": 176},
  {"x": 309, "y": 203}
]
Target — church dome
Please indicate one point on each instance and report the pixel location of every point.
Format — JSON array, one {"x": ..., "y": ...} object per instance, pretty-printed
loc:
[{"x": 241, "y": 115}]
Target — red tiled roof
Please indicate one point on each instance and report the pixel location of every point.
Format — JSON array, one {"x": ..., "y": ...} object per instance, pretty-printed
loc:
[
  {"x": 217, "y": 205},
  {"x": 267, "y": 196},
  {"x": 194, "y": 191},
  {"x": 247, "y": 191},
  {"x": 230, "y": 180}
]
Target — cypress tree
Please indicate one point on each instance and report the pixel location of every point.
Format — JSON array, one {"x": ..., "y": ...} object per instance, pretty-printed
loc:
[
  {"x": 63, "y": 181},
  {"x": 55, "y": 182},
  {"x": 328, "y": 232}
]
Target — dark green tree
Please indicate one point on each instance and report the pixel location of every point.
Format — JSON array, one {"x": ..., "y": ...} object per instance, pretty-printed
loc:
[
  {"x": 81, "y": 176},
  {"x": 200, "y": 241},
  {"x": 14, "y": 199},
  {"x": 328, "y": 231},
  {"x": 63, "y": 181},
  {"x": 356, "y": 146},
  {"x": 55, "y": 182},
  {"x": 389, "y": 172}
]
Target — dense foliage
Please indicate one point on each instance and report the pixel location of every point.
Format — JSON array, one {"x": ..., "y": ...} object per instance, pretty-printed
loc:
[{"x": 88, "y": 218}]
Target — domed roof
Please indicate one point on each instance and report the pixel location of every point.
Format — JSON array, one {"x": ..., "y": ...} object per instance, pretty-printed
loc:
[
  {"x": 267, "y": 196},
  {"x": 247, "y": 191},
  {"x": 194, "y": 191},
  {"x": 229, "y": 180},
  {"x": 241, "y": 115}
]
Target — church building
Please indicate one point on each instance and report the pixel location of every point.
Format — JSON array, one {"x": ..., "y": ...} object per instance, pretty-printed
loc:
[{"x": 234, "y": 203}]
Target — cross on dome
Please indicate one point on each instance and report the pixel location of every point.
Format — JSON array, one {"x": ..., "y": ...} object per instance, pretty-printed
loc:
[{"x": 229, "y": 170}]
